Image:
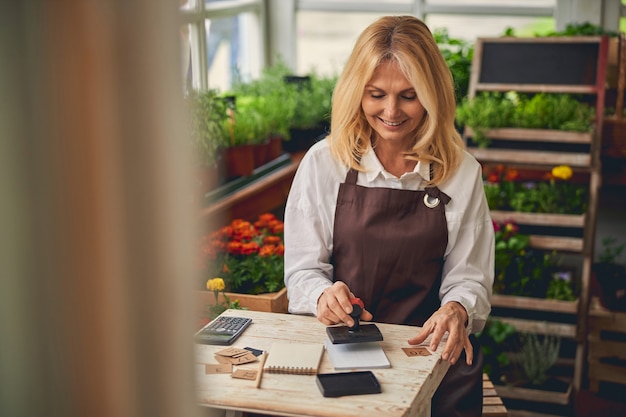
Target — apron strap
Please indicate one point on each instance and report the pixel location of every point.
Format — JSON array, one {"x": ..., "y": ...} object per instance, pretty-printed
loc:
[{"x": 351, "y": 176}]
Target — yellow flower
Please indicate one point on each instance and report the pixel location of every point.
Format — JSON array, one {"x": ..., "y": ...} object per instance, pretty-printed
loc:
[
  {"x": 215, "y": 284},
  {"x": 562, "y": 171}
]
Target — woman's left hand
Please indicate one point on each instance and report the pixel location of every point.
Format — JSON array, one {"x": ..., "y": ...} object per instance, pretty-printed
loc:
[{"x": 451, "y": 318}]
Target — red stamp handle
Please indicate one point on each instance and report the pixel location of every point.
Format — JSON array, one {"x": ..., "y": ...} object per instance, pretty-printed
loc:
[{"x": 357, "y": 301}]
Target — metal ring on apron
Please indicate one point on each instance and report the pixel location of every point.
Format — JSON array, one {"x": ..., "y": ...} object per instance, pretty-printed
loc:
[{"x": 431, "y": 202}]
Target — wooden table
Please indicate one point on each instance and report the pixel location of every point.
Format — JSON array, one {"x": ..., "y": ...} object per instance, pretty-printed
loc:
[{"x": 407, "y": 387}]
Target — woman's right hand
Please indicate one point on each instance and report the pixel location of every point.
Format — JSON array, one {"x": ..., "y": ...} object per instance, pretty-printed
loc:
[{"x": 334, "y": 307}]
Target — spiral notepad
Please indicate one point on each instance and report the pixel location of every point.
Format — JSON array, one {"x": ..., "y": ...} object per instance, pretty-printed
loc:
[{"x": 294, "y": 358}]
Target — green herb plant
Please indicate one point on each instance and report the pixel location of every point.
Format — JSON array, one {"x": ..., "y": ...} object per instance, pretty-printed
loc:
[
  {"x": 496, "y": 339},
  {"x": 537, "y": 355},
  {"x": 489, "y": 110},
  {"x": 458, "y": 54},
  {"x": 208, "y": 113}
]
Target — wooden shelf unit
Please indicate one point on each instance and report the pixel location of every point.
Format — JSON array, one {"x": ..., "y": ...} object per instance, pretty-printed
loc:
[
  {"x": 531, "y": 65},
  {"x": 607, "y": 346}
]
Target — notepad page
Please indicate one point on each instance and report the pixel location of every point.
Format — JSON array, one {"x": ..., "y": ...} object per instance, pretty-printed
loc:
[
  {"x": 294, "y": 358},
  {"x": 368, "y": 355}
]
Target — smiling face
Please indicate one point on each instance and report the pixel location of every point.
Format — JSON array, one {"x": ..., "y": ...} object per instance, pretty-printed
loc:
[{"x": 391, "y": 106}]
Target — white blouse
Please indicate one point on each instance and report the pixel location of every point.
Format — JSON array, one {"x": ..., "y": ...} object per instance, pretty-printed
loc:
[{"x": 309, "y": 218}]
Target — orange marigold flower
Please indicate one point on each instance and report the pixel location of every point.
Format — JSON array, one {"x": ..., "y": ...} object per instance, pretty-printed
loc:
[
  {"x": 271, "y": 240},
  {"x": 277, "y": 227},
  {"x": 267, "y": 250},
  {"x": 267, "y": 217},
  {"x": 512, "y": 174},
  {"x": 238, "y": 223},
  {"x": 493, "y": 177},
  {"x": 280, "y": 249},
  {"x": 225, "y": 269},
  {"x": 249, "y": 248},
  {"x": 235, "y": 248}
]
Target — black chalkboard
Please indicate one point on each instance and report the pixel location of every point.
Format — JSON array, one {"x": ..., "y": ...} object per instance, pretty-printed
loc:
[{"x": 558, "y": 63}]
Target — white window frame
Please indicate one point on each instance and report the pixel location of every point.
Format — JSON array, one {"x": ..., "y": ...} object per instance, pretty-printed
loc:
[{"x": 196, "y": 12}]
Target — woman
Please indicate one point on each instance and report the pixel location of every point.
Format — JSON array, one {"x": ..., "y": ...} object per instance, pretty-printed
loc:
[{"x": 391, "y": 209}]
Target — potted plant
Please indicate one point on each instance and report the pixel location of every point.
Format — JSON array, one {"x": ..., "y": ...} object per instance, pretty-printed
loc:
[
  {"x": 312, "y": 95},
  {"x": 278, "y": 104},
  {"x": 249, "y": 257},
  {"x": 208, "y": 113},
  {"x": 490, "y": 110},
  {"x": 243, "y": 129},
  {"x": 554, "y": 192},
  {"x": 523, "y": 271},
  {"x": 611, "y": 275}
]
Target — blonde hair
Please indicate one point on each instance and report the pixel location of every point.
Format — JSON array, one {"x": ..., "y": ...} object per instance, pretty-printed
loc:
[{"x": 407, "y": 41}]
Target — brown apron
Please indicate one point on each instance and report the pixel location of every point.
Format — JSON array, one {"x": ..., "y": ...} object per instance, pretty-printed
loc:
[{"x": 388, "y": 247}]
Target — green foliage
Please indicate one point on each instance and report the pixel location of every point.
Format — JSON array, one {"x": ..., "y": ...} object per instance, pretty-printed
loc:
[
  {"x": 286, "y": 105},
  {"x": 253, "y": 274},
  {"x": 549, "y": 197},
  {"x": 490, "y": 110},
  {"x": 279, "y": 103},
  {"x": 560, "y": 288},
  {"x": 208, "y": 113},
  {"x": 247, "y": 126},
  {"x": 313, "y": 98},
  {"x": 505, "y": 190},
  {"x": 545, "y": 27},
  {"x": 495, "y": 339},
  {"x": 519, "y": 269},
  {"x": 583, "y": 29},
  {"x": 610, "y": 250},
  {"x": 458, "y": 55},
  {"x": 538, "y": 355}
]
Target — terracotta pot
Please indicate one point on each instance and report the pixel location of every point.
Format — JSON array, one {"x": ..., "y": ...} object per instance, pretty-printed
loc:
[
  {"x": 239, "y": 161},
  {"x": 261, "y": 151},
  {"x": 275, "y": 148}
]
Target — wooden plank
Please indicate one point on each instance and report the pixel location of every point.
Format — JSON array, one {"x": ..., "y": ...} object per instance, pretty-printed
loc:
[
  {"x": 531, "y": 157},
  {"x": 262, "y": 196},
  {"x": 537, "y": 304},
  {"x": 604, "y": 348},
  {"x": 534, "y": 135},
  {"x": 525, "y": 413},
  {"x": 601, "y": 318},
  {"x": 539, "y": 219},
  {"x": 604, "y": 372},
  {"x": 570, "y": 244},
  {"x": 550, "y": 397},
  {"x": 494, "y": 410},
  {"x": 541, "y": 327},
  {"x": 538, "y": 88}
]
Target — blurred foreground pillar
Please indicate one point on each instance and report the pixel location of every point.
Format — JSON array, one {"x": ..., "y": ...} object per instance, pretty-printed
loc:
[{"x": 96, "y": 220}]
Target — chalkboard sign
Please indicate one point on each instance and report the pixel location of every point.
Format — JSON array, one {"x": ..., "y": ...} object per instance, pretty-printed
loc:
[{"x": 571, "y": 61}]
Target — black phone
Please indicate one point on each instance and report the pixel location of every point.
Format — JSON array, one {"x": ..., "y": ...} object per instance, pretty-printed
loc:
[{"x": 348, "y": 383}]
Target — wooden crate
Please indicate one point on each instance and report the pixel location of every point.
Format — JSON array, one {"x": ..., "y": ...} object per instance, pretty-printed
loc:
[
  {"x": 606, "y": 346},
  {"x": 275, "y": 302}
]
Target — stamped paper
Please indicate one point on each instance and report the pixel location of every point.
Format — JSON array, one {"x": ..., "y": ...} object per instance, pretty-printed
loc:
[{"x": 245, "y": 374}]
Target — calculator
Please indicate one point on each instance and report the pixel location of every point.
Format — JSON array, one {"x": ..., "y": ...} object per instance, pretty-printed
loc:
[{"x": 222, "y": 330}]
